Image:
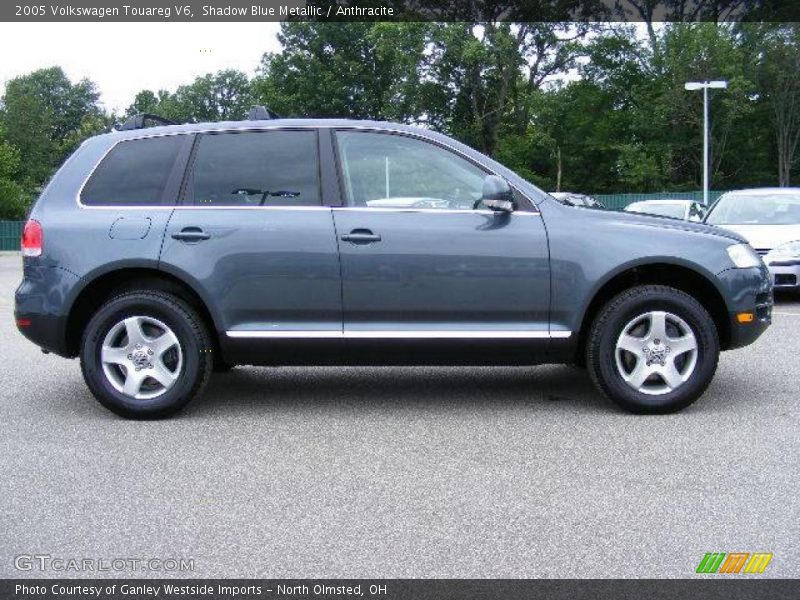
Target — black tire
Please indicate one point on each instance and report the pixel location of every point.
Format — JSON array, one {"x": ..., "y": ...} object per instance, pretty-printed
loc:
[
  {"x": 620, "y": 311},
  {"x": 195, "y": 348}
]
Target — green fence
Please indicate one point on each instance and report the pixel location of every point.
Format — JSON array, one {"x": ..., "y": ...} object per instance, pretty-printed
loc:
[
  {"x": 10, "y": 232},
  {"x": 620, "y": 201}
]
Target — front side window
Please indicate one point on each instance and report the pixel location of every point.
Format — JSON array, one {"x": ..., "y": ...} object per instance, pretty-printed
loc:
[
  {"x": 383, "y": 170},
  {"x": 135, "y": 173},
  {"x": 256, "y": 168}
]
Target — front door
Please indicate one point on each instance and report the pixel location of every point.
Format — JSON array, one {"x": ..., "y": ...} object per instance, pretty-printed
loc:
[{"x": 422, "y": 259}]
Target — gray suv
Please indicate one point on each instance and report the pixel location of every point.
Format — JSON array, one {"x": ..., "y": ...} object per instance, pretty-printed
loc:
[{"x": 158, "y": 255}]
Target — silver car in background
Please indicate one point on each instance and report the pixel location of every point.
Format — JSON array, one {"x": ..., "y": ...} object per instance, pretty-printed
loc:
[
  {"x": 769, "y": 218},
  {"x": 688, "y": 210}
]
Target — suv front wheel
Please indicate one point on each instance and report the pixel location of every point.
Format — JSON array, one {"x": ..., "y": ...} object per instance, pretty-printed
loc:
[
  {"x": 653, "y": 349},
  {"x": 146, "y": 354}
]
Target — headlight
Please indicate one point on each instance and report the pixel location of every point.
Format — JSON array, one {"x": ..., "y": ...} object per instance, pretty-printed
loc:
[
  {"x": 744, "y": 257},
  {"x": 788, "y": 251}
]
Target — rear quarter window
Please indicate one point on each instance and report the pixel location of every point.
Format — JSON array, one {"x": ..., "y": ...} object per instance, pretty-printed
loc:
[{"x": 134, "y": 173}]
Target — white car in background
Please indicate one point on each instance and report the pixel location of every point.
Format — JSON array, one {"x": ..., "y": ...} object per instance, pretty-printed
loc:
[
  {"x": 770, "y": 220},
  {"x": 688, "y": 210}
]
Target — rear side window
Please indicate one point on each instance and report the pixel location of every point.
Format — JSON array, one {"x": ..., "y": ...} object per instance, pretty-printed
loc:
[
  {"x": 135, "y": 173},
  {"x": 256, "y": 168}
]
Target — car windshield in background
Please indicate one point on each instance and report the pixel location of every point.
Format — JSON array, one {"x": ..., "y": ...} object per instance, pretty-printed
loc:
[
  {"x": 756, "y": 209},
  {"x": 676, "y": 211}
]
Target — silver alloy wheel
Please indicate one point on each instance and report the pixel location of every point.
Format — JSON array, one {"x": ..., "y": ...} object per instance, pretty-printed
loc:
[
  {"x": 141, "y": 357},
  {"x": 656, "y": 353}
]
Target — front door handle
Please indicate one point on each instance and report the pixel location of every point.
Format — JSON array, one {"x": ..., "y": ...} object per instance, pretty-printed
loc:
[
  {"x": 361, "y": 236},
  {"x": 191, "y": 234}
]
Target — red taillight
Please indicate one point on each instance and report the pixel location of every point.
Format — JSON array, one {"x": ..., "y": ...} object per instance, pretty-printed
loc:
[{"x": 32, "y": 239}]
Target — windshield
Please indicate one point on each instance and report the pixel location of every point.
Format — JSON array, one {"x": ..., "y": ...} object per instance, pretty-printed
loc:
[
  {"x": 677, "y": 211},
  {"x": 756, "y": 209}
]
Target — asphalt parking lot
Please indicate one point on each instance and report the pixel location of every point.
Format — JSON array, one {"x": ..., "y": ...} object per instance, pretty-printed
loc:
[{"x": 403, "y": 472}]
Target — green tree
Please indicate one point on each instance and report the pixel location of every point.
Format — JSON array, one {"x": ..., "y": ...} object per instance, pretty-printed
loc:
[
  {"x": 348, "y": 69},
  {"x": 223, "y": 96},
  {"x": 12, "y": 197},
  {"x": 483, "y": 78},
  {"x": 149, "y": 102},
  {"x": 657, "y": 133},
  {"x": 775, "y": 49},
  {"x": 41, "y": 114}
]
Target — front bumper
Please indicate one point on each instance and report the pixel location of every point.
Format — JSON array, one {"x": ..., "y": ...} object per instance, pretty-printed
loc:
[
  {"x": 785, "y": 274},
  {"x": 747, "y": 291}
]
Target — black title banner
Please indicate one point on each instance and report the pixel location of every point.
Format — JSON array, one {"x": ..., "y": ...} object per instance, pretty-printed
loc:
[
  {"x": 400, "y": 10},
  {"x": 397, "y": 589}
]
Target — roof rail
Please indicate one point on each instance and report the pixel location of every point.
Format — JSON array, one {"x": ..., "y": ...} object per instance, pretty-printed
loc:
[
  {"x": 139, "y": 121},
  {"x": 261, "y": 113}
]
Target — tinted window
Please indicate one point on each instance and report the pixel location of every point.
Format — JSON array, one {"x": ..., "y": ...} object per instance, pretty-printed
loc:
[
  {"x": 134, "y": 172},
  {"x": 258, "y": 168},
  {"x": 394, "y": 171}
]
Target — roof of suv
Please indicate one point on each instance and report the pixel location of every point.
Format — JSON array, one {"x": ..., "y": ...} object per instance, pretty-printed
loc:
[{"x": 269, "y": 123}]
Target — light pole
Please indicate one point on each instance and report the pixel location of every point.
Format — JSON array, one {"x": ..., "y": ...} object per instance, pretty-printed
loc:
[{"x": 705, "y": 85}]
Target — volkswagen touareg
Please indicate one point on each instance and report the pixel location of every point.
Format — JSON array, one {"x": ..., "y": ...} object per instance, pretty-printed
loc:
[{"x": 160, "y": 254}]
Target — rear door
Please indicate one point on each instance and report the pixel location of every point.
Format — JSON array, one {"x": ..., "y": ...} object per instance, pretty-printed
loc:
[{"x": 253, "y": 236}]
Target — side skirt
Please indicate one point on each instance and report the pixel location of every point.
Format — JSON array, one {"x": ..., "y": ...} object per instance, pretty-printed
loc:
[{"x": 395, "y": 351}]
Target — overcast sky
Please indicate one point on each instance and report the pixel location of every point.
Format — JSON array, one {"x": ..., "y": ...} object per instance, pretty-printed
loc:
[{"x": 123, "y": 58}]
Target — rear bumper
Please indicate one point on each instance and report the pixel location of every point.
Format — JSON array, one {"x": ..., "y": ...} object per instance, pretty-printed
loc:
[
  {"x": 40, "y": 306},
  {"x": 747, "y": 291}
]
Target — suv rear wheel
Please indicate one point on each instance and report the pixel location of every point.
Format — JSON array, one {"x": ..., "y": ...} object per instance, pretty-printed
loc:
[
  {"x": 653, "y": 349},
  {"x": 146, "y": 354}
]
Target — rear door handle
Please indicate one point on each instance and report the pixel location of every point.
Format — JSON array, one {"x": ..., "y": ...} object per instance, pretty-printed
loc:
[
  {"x": 191, "y": 234},
  {"x": 361, "y": 236}
]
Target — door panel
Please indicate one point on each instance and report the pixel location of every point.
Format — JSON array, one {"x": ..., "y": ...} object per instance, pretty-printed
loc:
[
  {"x": 463, "y": 271},
  {"x": 262, "y": 269}
]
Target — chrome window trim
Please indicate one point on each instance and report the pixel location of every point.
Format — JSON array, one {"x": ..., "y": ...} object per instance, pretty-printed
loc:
[
  {"x": 398, "y": 334},
  {"x": 414, "y": 134},
  {"x": 444, "y": 211}
]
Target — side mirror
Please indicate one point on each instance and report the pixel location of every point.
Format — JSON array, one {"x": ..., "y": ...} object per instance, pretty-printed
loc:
[{"x": 497, "y": 194}]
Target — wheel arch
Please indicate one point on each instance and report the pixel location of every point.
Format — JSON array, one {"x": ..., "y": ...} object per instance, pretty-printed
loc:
[
  {"x": 689, "y": 279},
  {"x": 101, "y": 286}
]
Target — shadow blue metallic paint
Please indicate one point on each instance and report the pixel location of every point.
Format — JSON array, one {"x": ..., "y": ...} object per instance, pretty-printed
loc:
[{"x": 273, "y": 269}]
